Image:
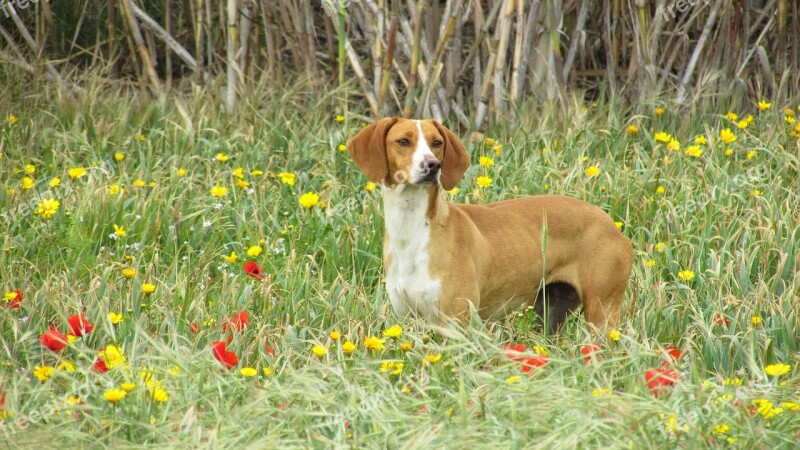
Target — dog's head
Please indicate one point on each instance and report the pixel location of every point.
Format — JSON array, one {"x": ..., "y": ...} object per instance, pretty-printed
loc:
[{"x": 411, "y": 152}]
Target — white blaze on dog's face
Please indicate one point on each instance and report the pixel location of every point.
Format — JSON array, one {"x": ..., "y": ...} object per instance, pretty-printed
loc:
[{"x": 396, "y": 151}]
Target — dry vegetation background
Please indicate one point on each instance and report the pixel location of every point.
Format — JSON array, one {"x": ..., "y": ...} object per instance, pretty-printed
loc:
[{"x": 467, "y": 59}]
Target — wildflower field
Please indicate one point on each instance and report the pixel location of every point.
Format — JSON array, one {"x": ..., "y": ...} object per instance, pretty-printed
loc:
[{"x": 173, "y": 277}]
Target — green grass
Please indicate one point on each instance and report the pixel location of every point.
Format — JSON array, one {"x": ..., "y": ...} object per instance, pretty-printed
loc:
[{"x": 731, "y": 219}]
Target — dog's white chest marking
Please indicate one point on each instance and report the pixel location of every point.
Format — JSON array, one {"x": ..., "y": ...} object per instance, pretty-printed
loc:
[{"x": 408, "y": 280}]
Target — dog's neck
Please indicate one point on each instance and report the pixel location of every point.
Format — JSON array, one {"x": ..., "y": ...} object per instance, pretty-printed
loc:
[{"x": 409, "y": 208}]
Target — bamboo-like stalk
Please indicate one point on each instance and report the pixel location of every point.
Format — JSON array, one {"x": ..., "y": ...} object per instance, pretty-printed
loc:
[
  {"x": 387, "y": 61},
  {"x": 230, "y": 88},
  {"x": 165, "y": 36},
  {"x": 518, "y": 83},
  {"x": 138, "y": 41},
  {"x": 504, "y": 23},
  {"x": 712, "y": 17},
  {"x": 415, "y": 49},
  {"x": 573, "y": 45}
]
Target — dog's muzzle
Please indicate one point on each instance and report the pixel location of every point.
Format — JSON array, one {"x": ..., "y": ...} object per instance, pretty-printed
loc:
[{"x": 430, "y": 170}]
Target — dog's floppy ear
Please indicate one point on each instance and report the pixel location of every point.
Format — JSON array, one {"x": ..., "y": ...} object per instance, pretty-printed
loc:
[
  {"x": 368, "y": 149},
  {"x": 456, "y": 159}
]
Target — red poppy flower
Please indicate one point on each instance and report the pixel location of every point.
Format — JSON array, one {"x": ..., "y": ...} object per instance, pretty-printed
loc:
[
  {"x": 536, "y": 361},
  {"x": 673, "y": 353},
  {"x": 100, "y": 366},
  {"x": 195, "y": 328},
  {"x": 226, "y": 357},
  {"x": 79, "y": 325},
  {"x": 514, "y": 352},
  {"x": 54, "y": 339},
  {"x": 660, "y": 379},
  {"x": 588, "y": 351},
  {"x": 252, "y": 269},
  {"x": 16, "y": 302},
  {"x": 270, "y": 350},
  {"x": 721, "y": 319},
  {"x": 237, "y": 322}
]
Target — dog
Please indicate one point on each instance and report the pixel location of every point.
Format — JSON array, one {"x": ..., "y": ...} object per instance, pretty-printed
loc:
[{"x": 442, "y": 259}]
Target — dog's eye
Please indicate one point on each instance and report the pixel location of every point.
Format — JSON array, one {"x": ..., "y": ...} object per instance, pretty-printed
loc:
[
  {"x": 437, "y": 143},
  {"x": 403, "y": 142}
]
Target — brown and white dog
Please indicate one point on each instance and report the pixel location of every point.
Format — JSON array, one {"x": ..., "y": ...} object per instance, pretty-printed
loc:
[{"x": 554, "y": 252}]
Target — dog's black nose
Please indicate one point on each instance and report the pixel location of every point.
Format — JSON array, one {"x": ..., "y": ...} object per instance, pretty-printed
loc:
[{"x": 431, "y": 164}]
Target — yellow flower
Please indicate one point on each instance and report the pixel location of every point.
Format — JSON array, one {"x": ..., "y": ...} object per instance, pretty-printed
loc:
[
  {"x": 248, "y": 372},
  {"x": 119, "y": 231},
  {"x": 159, "y": 394},
  {"x": 757, "y": 193},
  {"x": 30, "y": 169},
  {"x": 339, "y": 118},
  {"x": 728, "y": 151},
  {"x": 393, "y": 332},
  {"x": 789, "y": 119},
  {"x": 231, "y": 258},
  {"x": 454, "y": 191},
  {"x": 513, "y": 379},
  {"x": 433, "y": 358},
  {"x": 348, "y": 348},
  {"x": 115, "y": 395},
  {"x": 483, "y": 182},
  {"x": 114, "y": 189},
  {"x": 335, "y": 335},
  {"x": 700, "y": 140},
  {"x": 632, "y": 129},
  {"x": 791, "y": 406},
  {"x": 148, "y": 288},
  {"x": 660, "y": 190},
  {"x": 76, "y": 172},
  {"x": 370, "y": 186},
  {"x": 674, "y": 145},
  {"x": 175, "y": 370},
  {"x": 694, "y": 151},
  {"x": 750, "y": 119},
  {"x": 181, "y": 172},
  {"x": 238, "y": 173},
  {"x": 221, "y": 157},
  {"x": 115, "y": 318},
  {"x": 374, "y": 343},
  {"x": 661, "y": 246},
  {"x": 287, "y": 178},
  {"x": 650, "y": 263},
  {"x": 12, "y": 119},
  {"x": 600, "y": 392},
  {"x": 26, "y": 183},
  {"x": 486, "y": 161},
  {"x": 309, "y": 200},
  {"x": 735, "y": 381},
  {"x": 71, "y": 338},
  {"x": 498, "y": 149},
  {"x": 66, "y": 366},
  {"x": 140, "y": 137},
  {"x": 254, "y": 251},
  {"x": 127, "y": 387},
  {"x": 686, "y": 275},
  {"x": 138, "y": 183},
  {"x": 764, "y": 105},
  {"x": 43, "y": 373},
  {"x": 592, "y": 171},
  {"x": 614, "y": 335},
  {"x": 751, "y": 154},
  {"x": 662, "y": 136},
  {"x": 128, "y": 272},
  {"x": 11, "y": 191},
  {"x": 406, "y": 346},
  {"x": 396, "y": 368},
  {"x": 659, "y": 111},
  {"x": 731, "y": 116},
  {"x": 742, "y": 124},
  {"x": 721, "y": 429},
  {"x": 113, "y": 356},
  {"x": 755, "y": 320},
  {"x": 267, "y": 371},
  {"x": 219, "y": 191},
  {"x": 119, "y": 156},
  {"x": 47, "y": 208},
  {"x": 319, "y": 351},
  {"x": 727, "y": 136},
  {"x": 54, "y": 182},
  {"x": 776, "y": 370},
  {"x": 539, "y": 350}
]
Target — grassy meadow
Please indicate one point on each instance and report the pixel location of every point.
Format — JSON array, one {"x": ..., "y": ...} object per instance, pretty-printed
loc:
[{"x": 162, "y": 207}]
